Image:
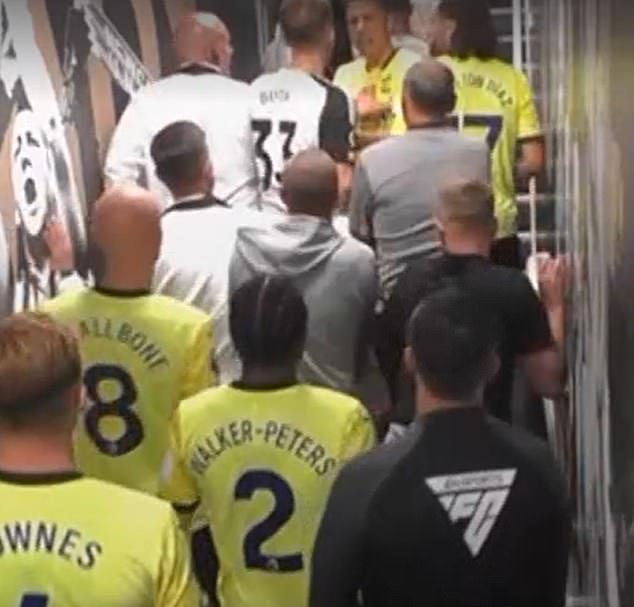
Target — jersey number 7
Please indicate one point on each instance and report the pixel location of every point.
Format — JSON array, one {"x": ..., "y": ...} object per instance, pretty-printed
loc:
[
  {"x": 264, "y": 129},
  {"x": 492, "y": 122}
]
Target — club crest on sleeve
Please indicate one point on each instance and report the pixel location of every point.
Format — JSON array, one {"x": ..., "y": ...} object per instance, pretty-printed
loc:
[{"x": 475, "y": 497}]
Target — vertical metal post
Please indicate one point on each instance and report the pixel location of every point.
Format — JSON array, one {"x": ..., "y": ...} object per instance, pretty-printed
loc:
[{"x": 517, "y": 33}]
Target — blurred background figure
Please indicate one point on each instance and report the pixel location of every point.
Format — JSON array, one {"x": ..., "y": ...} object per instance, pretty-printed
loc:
[
  {"x": 78, "y": 537},
  {"x": 200, "y": 91},
  {"x": 403, "y": 36}
]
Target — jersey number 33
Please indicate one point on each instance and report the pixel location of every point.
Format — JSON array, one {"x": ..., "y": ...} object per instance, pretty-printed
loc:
[{"x": 273, "y": 148}]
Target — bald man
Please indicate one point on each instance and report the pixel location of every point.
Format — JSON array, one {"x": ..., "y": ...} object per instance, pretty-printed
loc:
[
  {"x": 335, "y": 274},
  {"x": 200, "y": 91},
  {"x": 142, "y": 353},
  {"x": 396, "y": 183}
]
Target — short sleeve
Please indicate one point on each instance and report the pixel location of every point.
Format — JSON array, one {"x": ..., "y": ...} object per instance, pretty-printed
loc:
[
  {"x": 198, "y": 374},
  {"x": 531, "y": 327},
  {"x": 528, "y": 122},
  {"x": 361, "y": 436},
  {"x": 360, "y": 201},
  {"x": 177, "y": 483},
  {"x": 176, "y": 585},
  {"x": 126, "y": 155},
  {"x": 335, "y": 125}
]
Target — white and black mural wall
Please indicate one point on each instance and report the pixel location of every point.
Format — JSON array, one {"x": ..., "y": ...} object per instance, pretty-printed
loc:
[{"x": 67, "y": 70}]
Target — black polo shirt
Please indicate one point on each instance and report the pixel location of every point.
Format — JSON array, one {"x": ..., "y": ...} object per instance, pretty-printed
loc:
[
  {"x": 505, "y": 291},
  {"x": 464, "y": 511}
]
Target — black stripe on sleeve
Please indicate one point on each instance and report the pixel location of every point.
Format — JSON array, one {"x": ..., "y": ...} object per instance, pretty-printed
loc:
[{"x": 335, "y": 123}]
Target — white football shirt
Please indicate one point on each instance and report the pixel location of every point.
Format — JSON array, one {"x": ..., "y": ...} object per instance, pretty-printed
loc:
[
  {"x": 293, "y": 111},
  {"x": 200, "y": 94}
]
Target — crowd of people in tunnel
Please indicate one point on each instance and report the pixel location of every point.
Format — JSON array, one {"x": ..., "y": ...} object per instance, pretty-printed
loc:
[{"x": 290, "y": 381}]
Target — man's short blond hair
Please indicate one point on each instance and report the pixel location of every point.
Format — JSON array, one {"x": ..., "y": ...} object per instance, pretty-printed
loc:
[
  {"x": 468, "y": 202},
  {"x": 39, "y": 363}
]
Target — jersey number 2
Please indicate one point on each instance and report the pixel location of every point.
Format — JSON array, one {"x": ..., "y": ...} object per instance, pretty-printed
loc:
[
  {"x": 34, "y": 600},
  {"x": 120, "y": 407},
  {"x": 264, "y": 128},
  {"x": 284, "y": 507}
]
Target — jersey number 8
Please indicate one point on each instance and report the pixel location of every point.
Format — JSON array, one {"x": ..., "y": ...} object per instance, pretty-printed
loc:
[
  {"x": 120, "y": 407},
  {"x": 264, "y": 129},
  {"x": 266, "y": 480}
]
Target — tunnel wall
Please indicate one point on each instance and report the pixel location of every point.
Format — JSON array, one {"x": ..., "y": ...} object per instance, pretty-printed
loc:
[{"x": 589, "y": 86}]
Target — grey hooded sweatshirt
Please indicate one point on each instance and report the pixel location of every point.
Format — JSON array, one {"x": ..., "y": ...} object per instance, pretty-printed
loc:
[{"x": 336, "y": 274}]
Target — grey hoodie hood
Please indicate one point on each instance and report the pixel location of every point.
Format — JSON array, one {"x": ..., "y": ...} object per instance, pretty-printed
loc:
[{"x": 295, "y": 245}]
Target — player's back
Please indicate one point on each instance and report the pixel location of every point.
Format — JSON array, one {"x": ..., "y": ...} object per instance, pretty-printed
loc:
[
  {"x": 142, "y": 354},
  {"x": 69, "y": 541},
  {"x": 494, "y": 101},
  {"x": 216, "y": 103},
  {"x": 263, "y": 462},
  {"x": 465, "y": 511},
  {"x": 293, "y": 111}
]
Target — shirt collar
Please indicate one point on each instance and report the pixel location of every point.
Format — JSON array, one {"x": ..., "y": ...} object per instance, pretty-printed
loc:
[
  {"x": 194, "y": 202},
  {"x": 440, "y": 123},
  {"x": 196, "y": 68}
]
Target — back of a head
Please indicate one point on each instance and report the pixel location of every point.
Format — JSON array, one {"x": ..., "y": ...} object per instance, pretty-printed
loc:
[
  {"x": 474, "y": 35},
  {"x": 180, "y": 154},
  {"x": 310, "y": 184},
  {"x": 268, "y": 322},
  {"x": 39, "y": 365},
  {"x": 400, "y": 7},
  {"x": 125, "y": 230},
  {"x": 467, "y": 204},
  {"x": 306, "y": 23},
  {"x": 453, "y": 338},
  {"x": 429, "y": 86}
]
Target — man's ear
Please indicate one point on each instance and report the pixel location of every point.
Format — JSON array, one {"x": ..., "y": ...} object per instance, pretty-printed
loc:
[{"x": 409, "y": 362}]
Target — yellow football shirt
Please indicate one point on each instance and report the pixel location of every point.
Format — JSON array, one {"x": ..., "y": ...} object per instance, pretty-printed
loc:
[
  {"x": 262, "y": 464},
  {"x": 69, "y": 541},
  {"x": 142, "y": 354},
  {"x": 386, "y": 84},
  {"x": 495, "y": 101}
]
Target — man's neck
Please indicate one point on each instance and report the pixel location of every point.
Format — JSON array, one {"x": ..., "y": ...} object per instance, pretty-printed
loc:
[
  {"x": 427, "y": 403},
  {"x": 468, "y": 247},
  {"x": 255, "y": 378},
  {"x": 419, "y": 119},
  {"x": 128, "y": 281},
  {"x": 308, "y": 61},
  {"x": 380, "y": 58},
  {"x": 179, "y": 194},
  {"x": 36, "y": 454}
]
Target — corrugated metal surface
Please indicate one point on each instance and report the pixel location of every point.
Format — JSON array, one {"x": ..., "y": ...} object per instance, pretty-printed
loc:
[{"x": 588, "y": 86}]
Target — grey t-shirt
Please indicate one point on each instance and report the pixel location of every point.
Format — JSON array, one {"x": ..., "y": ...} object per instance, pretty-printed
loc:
[{"x": 396, "y": 188}]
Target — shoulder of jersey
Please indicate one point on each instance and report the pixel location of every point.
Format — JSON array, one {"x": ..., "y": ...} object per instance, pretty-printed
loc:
[
  {"x": 64, "y": 300},
  {"x": 122, "y": 499},
  {"x": 336, "y": 402},
  {"x": 179, "y": 311}
]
